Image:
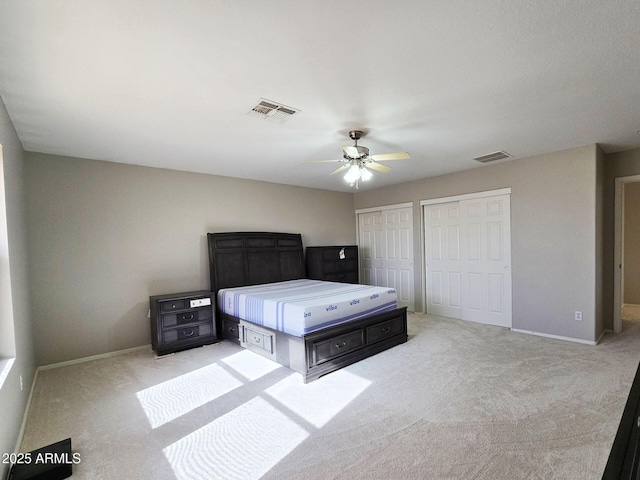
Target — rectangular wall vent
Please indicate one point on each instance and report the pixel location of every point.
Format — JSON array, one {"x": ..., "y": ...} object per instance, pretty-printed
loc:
[
  {"x": 492, "y": 157},
  {"x": 272, "y": 111}
]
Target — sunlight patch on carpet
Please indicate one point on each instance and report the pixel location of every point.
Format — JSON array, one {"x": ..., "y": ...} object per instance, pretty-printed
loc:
[
  {"x": 244, "y": 444},
  {"x": 319, "y": 401},
  {"x": 169, "y": 400},
  {"x": 250, "y": 365}
]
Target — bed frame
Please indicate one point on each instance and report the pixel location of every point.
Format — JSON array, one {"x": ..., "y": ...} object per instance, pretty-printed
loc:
[{"x": 251, "y": 258}]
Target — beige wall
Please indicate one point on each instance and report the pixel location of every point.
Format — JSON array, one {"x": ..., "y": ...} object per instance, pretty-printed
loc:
[
  {"x": 13, "y": 401},
  {"x": 554, "y": 234},
  {"x": 631, "y": 292},
  {"x": 105, "y": 236},
  {"x": 110, "y": 235}
]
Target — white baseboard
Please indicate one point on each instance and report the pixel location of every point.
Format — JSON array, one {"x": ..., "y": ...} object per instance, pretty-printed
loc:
[
  {"x": 606, "y": 330},
  {"x": 62, "y": 364},
  {"x": 558, "y": 337},
  {"x": 23, "y": 425},
  {"x": 94, "y": 357}
]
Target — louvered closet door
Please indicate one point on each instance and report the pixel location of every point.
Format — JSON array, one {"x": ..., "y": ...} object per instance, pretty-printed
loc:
[{"x": 468, "y": 259}]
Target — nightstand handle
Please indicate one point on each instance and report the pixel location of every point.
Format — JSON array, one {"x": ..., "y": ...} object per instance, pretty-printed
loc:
[
  {"x": 189, "y": 334},
  {"x": 190, "y": 317}
]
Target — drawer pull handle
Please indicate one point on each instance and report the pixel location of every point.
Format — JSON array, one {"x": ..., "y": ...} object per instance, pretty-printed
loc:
[
  {"x": 256, "y": 339},
  {"x": 173, "y": 306},
  {"x": 385, "y": 329},
  {"x": 232, "y": 329},
  {"x": 190, "y": 317},
  {"x": 344, "y": 344},
  {"x": 190, "y": 334}
]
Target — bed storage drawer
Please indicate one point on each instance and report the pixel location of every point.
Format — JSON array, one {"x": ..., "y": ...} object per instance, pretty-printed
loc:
[
  {"x": 383, "y": 330},
  {"x": 258, "y": 339},
  {"x": 324, "y": 350},
  {"x": 230, "y": 329}
]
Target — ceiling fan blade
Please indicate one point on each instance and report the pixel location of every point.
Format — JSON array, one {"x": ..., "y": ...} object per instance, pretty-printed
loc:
[
  {"x": 324, "y": 161},
  {"x": 378, "y": 167},
  {"x": 340, "y": 169},
  {"x": 383, "y": 157},
  {"x": 351, "y": 151}
]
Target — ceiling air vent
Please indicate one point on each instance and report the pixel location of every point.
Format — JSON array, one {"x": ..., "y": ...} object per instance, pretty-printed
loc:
[
  {"x": 492, "y": 157},
  {"x": 272, "y": 111}
]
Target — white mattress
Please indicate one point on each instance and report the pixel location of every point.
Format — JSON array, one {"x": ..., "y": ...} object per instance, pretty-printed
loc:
[{"x": 302, "y": 306}]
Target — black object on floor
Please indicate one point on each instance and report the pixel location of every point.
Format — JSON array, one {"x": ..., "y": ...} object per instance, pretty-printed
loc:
[
  {"x": 624, "y": 458},
  {"x": 52, "y": 462}
]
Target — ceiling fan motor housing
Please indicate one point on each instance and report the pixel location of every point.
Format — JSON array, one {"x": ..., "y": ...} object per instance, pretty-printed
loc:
[
  {"x": 356, "y": 152},
  {"x": 356, "y": 134}
]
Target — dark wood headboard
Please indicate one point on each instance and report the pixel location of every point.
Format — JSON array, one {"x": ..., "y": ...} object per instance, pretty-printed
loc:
[{"x": 252, "y": 258}]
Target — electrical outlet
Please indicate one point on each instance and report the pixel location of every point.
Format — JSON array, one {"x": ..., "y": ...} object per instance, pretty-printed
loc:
[
  {"x": 578, "y": 316},
  {"x": 21, "y": 386}
]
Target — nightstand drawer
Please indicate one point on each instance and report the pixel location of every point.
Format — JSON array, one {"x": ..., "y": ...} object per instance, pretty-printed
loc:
[
  {"x": 186, "y": 333},
  {"x": 191, "y": 316},
  {"x": 174, "y": 305}
]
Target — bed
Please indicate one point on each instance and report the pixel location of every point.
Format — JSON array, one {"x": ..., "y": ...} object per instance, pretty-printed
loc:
[{"x": 244, "y": 263}]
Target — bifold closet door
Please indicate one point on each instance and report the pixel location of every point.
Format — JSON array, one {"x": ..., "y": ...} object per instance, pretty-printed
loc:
[
  {"x": 468, "y": 259},
  {"x": 371, "y": 245},
  {"x": 444, "y": 266},
  {"x": 486, "y": 256},
  {"x": 386, "y": 251}
]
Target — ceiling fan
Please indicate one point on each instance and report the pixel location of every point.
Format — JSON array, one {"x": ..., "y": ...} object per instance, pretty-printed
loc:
[{"x": 357, "y": 161}]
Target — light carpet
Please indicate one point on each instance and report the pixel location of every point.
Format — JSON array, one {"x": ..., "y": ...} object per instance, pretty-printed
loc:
[{"x": 459, "y": 400}]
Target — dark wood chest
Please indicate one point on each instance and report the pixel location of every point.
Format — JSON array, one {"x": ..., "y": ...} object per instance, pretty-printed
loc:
[
  {"x": 333, "y": 263},
  {"x": 182, "y": 320}
]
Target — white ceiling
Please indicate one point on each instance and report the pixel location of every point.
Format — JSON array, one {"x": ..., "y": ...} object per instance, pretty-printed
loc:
[{"x": 168, "y": 83}]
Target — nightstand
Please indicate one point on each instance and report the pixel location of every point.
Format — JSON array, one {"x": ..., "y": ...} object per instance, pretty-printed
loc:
[{"x": 182, "y": 320}]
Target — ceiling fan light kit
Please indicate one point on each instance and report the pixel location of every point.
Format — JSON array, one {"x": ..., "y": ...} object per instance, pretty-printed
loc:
[
  {"x": 357, "y": 161},
  {"x": 357, "y": 171},
  {"x": 365, "y": 174}
]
